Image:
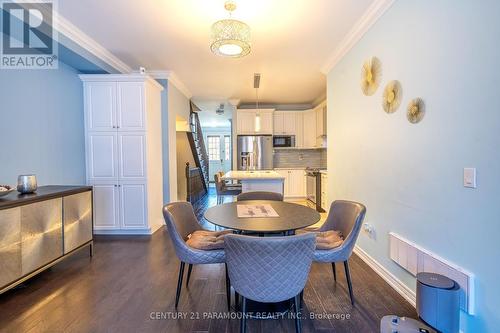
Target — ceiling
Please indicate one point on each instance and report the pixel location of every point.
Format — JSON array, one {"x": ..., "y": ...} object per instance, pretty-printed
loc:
[{"x": 291, "y": 41}]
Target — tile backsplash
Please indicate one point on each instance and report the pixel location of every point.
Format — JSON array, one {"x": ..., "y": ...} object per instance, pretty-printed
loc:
[{"x": 298, "y": 158}]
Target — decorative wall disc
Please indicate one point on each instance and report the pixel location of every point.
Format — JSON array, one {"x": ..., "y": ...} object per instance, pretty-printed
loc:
[
  {"x": 371, "y": 74},
  {"x": 416, "y": 110},
  {"x": 392, "y": 96}
]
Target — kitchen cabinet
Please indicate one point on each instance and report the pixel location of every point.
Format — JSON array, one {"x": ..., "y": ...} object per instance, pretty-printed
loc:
[
  {"x": 324, "y": 192},
  {"x": 247, "y": 123},
  {"x": 123, "y": 152},
  {"x": 285, "y": 123},
  {"x": 321, "y": 125},
  {"x": 295, "y": 182},
  {"x": 309, "y": 129}
]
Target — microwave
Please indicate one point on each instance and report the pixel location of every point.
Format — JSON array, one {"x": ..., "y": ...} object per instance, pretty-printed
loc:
[{"x": 284, "y": 141}]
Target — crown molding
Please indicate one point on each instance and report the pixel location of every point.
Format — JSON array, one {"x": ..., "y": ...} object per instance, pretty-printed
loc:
[
  {"x": 370, "y": 16},
  {"x": 172, "y": 78},
  {"x": 86, "y": 42}
]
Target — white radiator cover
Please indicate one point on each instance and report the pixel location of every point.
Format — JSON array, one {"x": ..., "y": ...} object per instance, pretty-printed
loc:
[{"x": 416, "y": 259}]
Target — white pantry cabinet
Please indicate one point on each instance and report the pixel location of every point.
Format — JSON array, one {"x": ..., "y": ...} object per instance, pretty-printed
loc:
[
  {"x": 295, "y": 182},
  {"x": 123, "y": 152},
  {"x": 247, "y": 123}
]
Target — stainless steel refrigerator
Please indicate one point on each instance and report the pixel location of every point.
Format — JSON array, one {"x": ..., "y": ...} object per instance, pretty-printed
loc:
[{"x": 255, "y": 152}]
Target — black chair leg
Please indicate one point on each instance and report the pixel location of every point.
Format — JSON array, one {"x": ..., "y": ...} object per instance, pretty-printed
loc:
[
  {"x": 236, "y": 300},
  {"x": 349, "y": 283},
  {"x": 243, "y": 322},
  {"x": 228, "y": 290},
  {"x": 298, "y": 326},
  {"x": 190, "y": 268},
  {"x": 334, "y": 272},
  {"x": 179, "y": 284},
  {"x": 301, "y": 299}
]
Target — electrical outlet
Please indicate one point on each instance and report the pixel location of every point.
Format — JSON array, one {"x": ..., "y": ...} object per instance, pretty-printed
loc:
[{"x": 368, "y": 228}]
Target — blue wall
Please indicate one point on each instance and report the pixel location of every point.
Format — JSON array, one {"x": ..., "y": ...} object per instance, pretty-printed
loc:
[
  {"x": 41, "y": 125},
  {"x": 410, "y": 176}
]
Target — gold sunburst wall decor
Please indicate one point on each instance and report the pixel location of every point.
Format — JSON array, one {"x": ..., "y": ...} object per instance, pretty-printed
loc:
[
  {"x": 416, "y": 110},
  {"x": 371, "y": 74},
  {"x": 392, "y": 96}
]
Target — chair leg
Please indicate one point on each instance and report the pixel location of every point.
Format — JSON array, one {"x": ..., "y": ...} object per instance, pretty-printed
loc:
[
  {"x": 179, "y": 284},
  {"x": 349, "y": 283},
  {"x": 243, "y": 322},
  {"x": 190, "y": 268},
  {"x": 236, "y": 300},
  {"x": 228, "y": 290},
  {"x": 298, "y": 326},
  {"x": 334, "y": 272}
]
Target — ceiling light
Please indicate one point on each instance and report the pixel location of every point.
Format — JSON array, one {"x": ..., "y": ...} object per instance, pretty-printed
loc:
[{"x": 230, "y": 38}]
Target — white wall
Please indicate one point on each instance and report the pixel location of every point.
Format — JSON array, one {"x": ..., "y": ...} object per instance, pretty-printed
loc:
[
  {"x": 410, "y": 176},
  {"x": 177, "y": 106}
]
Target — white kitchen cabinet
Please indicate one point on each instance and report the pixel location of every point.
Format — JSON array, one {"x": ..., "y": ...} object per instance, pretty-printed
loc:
[
  {"x": 279, "y": 128},
  {"x": 133, "y": 205},
  {"x": 299, "y": 126},
  {"x": 321, "y": 125},
  {"x": 124, "y": 162},
  {"x": 324, "y": 192},
  {"x": 295, "y": 186},
  {"x": 132, "y": 156},
  {"x": 130, "y": 99},
  {"x": 100, "y": 105},
  {"x": 285, "y": 123},
  {"x": 106, "y": 207},
  {"x": 102, "y": 155},
  {"x": 309, "y": 129},
  {"x": 247, "y": 124}
]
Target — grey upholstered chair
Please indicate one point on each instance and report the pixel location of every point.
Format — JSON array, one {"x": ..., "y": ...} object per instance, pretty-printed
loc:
[
  {"x": 269, "y": 269},
  {"x": 347, "y": 217},
  {"x": 260, "y": 195},
  {"x": 223, "y": 189},
  {"x": 181, "y": 221}
]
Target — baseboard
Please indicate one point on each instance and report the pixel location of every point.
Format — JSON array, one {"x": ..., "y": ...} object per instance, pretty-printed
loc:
[
  {"x": 393, "y": 281},
  {"x": 146, "y": 231}
]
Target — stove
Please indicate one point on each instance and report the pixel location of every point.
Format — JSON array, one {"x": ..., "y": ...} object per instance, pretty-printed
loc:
[{"x": 313, "y": 187}]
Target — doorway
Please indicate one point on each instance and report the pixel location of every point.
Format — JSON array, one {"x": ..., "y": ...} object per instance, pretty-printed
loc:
[{"x": 219, "y": 148}]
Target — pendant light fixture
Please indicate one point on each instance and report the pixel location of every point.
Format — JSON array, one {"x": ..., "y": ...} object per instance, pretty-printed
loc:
[
  {"x": 230, "y": 38},
  {"x": 256, "y": 85}
]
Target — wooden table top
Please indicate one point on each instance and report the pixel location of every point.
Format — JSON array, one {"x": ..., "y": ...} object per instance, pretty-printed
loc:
[{"x": 291, "y": 217}]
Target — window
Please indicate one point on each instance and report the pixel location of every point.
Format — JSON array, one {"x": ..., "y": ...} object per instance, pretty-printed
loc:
[
  {"x": 213, "y": 148},
  {"x": 227, "y": 147}
]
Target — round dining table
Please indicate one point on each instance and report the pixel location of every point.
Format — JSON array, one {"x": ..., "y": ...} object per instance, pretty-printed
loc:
[{"x": 291, "y": 216}]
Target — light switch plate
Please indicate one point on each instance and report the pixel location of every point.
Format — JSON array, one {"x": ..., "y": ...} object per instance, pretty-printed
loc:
[{"x": 470, "y": 177}]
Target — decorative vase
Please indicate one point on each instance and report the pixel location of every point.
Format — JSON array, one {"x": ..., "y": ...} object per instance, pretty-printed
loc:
[{"x": 26, "y": 184}]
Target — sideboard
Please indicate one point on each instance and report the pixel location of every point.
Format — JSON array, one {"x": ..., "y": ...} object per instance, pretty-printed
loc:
[{"x": 40, "y": 229}]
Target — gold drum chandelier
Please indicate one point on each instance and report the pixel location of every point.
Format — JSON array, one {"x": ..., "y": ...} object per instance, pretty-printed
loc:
[{"x": 230, "y": 38}]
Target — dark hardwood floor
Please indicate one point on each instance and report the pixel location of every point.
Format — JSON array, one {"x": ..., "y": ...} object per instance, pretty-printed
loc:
[{"x": 131, "y": 280}]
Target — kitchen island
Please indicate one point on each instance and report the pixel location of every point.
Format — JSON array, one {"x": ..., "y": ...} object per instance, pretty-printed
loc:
[{"x": 259, "y": 180}]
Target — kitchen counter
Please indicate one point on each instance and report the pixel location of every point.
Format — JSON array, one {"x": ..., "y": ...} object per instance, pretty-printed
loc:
[
  {"x": 246, "y": 175},
  {"x": 262, "y": 180}
]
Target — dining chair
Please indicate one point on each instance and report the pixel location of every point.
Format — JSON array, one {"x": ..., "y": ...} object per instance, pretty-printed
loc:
[
  {"x": 260, "y": 195},
  {"x": 270, "y": 269},
  {"x": 223, "y": 189},
  {"x": 346, "y": 217},
  {"x": 181, "y": 222}
]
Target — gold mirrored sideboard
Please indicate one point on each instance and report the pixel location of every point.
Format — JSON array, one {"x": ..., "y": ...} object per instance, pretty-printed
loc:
[{"x": 40, "y": 229}]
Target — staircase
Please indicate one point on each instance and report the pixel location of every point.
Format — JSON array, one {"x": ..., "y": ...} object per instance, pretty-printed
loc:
[{"x": 198, "y": 148}]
